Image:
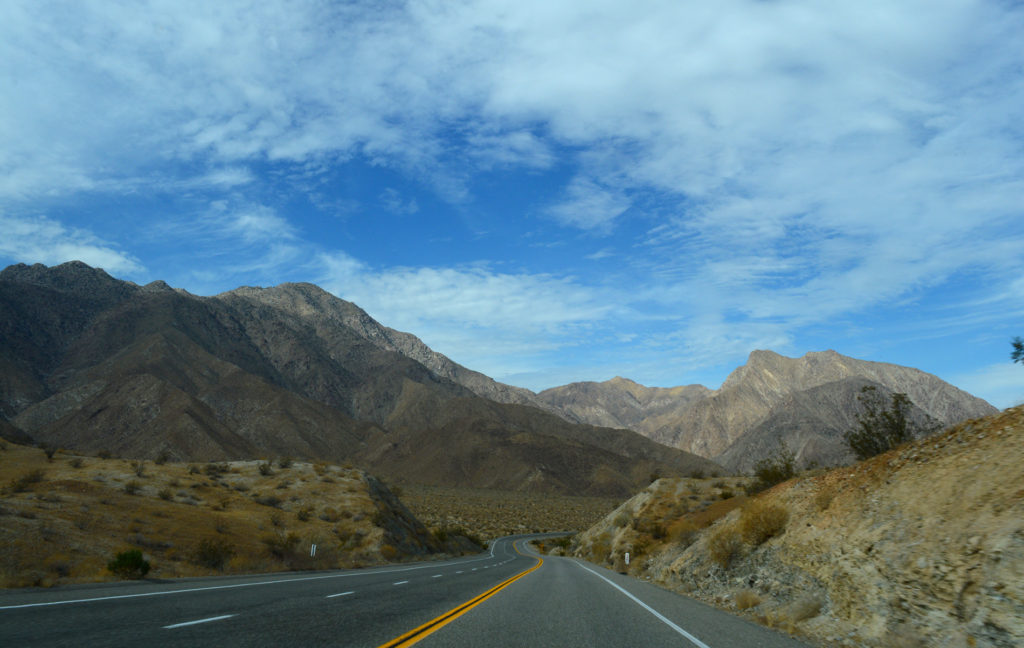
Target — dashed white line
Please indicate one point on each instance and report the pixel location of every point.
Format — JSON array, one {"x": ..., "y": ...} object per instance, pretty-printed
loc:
[
  {"x": 436, "y": 576},
  {"x": 188, "y": 623},
  {"x": 342, "y": 594},
  {"x": 400, "y": 583},
  {"x": 458, "y": 572}
]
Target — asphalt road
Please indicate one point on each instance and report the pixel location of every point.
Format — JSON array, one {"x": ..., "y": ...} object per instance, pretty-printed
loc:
[{"x": 504, "y": 597}]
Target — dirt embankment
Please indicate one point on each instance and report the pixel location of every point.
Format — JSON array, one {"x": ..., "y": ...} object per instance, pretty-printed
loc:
[{"x": 921, "y": 546}]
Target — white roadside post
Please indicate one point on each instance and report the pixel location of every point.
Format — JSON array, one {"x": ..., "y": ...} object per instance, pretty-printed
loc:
[
  {"x": 312, "y": 550},
  {"x": 627, "y": 559}
]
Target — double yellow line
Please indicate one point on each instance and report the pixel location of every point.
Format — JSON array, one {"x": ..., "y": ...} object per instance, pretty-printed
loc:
[{"x": 428, "y": 628}]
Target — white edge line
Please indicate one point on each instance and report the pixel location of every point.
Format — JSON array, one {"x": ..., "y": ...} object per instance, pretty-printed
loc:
[
  {"x": 342, "y": 594},
  {"x": 188, "y": 623},
  {"x": 697, "y": 642}
]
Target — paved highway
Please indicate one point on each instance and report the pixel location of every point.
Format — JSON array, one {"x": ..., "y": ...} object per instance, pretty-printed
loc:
[{"x": 505, "y": 597}]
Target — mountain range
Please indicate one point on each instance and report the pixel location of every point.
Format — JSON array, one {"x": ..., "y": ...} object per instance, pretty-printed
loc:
[
  {"x": 94, "y": 363},
  {"x": 91, "y": 362},
  {"x": 807, "y": 403}
]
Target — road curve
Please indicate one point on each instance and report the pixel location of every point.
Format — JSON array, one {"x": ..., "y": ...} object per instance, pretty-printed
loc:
[{"x": 504, "y": 597}]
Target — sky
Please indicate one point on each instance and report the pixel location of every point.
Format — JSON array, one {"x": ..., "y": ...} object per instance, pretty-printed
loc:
[{"x": 546, "y": 192}]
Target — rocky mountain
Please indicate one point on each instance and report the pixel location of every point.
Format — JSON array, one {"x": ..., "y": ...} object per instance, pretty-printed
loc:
[
  {"x": 811, "y": 423},
  {"x": 94, "y": 363},
  {"x": 760, "y": 399},
  {"x": 920, "y": 546}
]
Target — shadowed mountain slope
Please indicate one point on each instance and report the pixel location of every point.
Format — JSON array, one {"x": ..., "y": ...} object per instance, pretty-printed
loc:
[{"x": 95, "y": 363}]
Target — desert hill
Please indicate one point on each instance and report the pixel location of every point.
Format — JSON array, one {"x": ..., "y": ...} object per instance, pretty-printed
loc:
[
  {"x": 98, "y": 364},
  {"x": 920, "y": 546},
  {"x": 760, "y": 398},
  {"x": 65, "y": 517}
]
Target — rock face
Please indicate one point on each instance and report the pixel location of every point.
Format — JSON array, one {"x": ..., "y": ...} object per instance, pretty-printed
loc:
[
  {"x": 923, "y": 545},
  {"x": 769, "y": 393},
  {"x": 94, "y": 363}
]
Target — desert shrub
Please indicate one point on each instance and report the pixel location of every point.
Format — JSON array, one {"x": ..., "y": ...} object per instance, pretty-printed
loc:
[
  {"x": 724, "y": 546},
  {"x": 697, "y": 474},
  {"x": 725, "y": 494},
  {"x": 388, "y": 552},
  {"x": 266, "y": 469},
  {"x": 76, "y": 462},
  {"x": 104, "y": 454},
  {"x": 823, "y": 499},
  {"x": 284, "y": 463},
  {"x": 132, "y": 487},
  {"x": 165, "y": 494},
  {"x": 129, "y": 564},
  {"x": 214, "y": 469},
  {"x": 760, "y": 520},
  {"x": 622, "y": 519},
  {"x": 48, "y": 450},
  {"x": 562, "y": 542},
  {"x": 747, "y": 599},
  {"x": 193, "y": 469},
  {"x": 269, "y": 500},
  {"x": 304, "y": 514},
  {"x": 281, "y": 545},
  {"x": 140, "y": 468},
  {"x": 329, "y": 515},
  {"x": 214, "y": 553},
  {"x": 21, "y": 484},
  {"x": 162, "y": 458},
  {"x": 773, "y": 470}
]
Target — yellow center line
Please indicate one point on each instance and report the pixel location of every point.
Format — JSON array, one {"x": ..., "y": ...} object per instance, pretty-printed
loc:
[{"x": 428, "y": 628}]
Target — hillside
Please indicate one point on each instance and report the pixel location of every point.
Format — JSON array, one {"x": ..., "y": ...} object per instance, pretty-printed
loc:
[
  {"x": 921, "y": 546},
  {"x": 64, "y": 519},
  {"x": 104, "y": 365}
]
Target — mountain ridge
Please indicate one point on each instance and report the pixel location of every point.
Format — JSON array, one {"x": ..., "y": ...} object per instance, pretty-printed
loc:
[{"x": 140, "y": 370}]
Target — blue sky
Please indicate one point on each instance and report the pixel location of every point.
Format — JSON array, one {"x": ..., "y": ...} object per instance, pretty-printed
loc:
[{"x": 546, "y": 191}]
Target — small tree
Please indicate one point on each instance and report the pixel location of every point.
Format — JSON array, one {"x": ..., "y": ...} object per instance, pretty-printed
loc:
[
  {"x": 879, "y": 428},
  {"x": 1018, "y": 350}
]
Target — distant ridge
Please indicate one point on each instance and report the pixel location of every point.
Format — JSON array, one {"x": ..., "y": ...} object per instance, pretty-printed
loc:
[{"x": 806, "y": 402}]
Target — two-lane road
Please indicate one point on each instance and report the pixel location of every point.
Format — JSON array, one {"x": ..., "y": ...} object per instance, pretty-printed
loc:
[{"x": 505, "y": 597}]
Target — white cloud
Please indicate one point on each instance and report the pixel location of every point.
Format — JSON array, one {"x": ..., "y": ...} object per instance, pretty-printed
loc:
[
  {"x": 43, "y": 240},
  {"x": 589, "y": 206},
  {"x": 487, "y": 320}
]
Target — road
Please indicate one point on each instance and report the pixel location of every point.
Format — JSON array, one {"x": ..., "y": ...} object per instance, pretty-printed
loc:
[{"x": 508, "y": 596}]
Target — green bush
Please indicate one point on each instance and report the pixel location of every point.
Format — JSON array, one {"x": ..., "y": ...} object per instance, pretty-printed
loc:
[{"x": 129, "y": 564}]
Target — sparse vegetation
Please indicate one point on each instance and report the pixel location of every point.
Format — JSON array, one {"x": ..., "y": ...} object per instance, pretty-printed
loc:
[
  {"x": 21, "y": 484},
  {"x": 1018, "y": 350},
  {"x": 266, "y": 469},
  {"x": 760, "y": 521},
  {"x": 284, "y": 463},
  {"x": 132, "y": 487},
  {"x": 129, "y": 564}
]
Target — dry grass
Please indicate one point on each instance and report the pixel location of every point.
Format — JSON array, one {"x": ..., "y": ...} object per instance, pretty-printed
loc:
[
  {"x": 63, "y": 520},
  {"x": 724, "y": 545},
  {"x": 761, "y": 520},
  {"x": 747, "y": 599}
]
